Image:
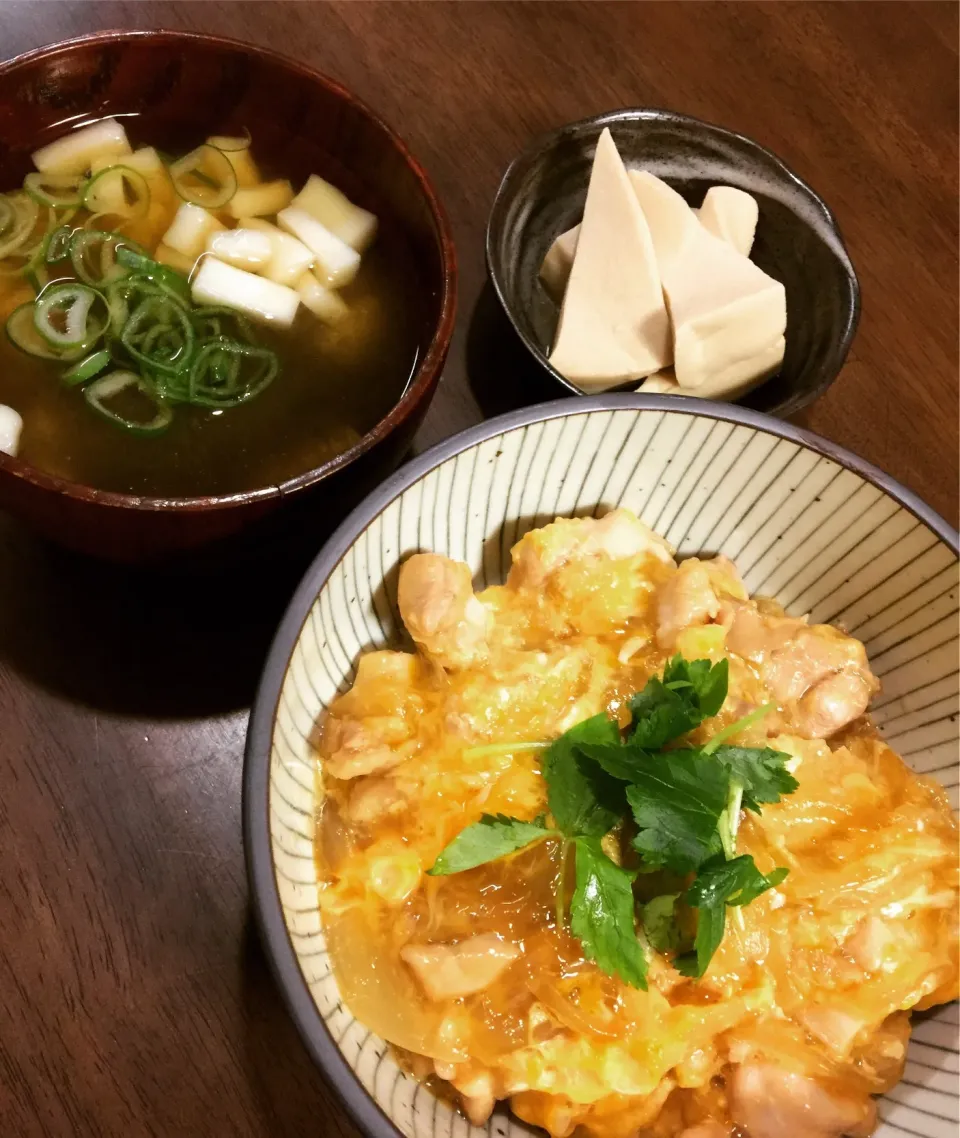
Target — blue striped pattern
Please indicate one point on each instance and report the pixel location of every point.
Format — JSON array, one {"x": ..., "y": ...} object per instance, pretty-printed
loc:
[{"x": 800, "y": 527}]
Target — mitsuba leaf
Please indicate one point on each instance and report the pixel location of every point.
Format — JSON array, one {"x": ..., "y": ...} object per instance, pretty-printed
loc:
[
  {"x": 494, "y": 836},
  {"x": 677, "y": 799},
  {"x": 719, "y": 884},
  {"x": 582, "y": 797},
  {"x": 761, "y": 772},
  {"x": 602, "y": 914},
  {"x": 690, "y": 691}
]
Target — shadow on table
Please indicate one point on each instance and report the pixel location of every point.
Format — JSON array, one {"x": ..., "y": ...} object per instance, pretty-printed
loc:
[
  {"x": 503, "y": 375},
  {"x": 139, "y": 641},
  {"x": 293, "y": 1094}
]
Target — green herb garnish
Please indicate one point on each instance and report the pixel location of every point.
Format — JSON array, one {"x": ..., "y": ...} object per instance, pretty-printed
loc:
[{"x": 684, "y": 801}]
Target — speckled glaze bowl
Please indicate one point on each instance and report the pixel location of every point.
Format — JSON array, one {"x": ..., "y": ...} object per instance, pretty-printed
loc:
[
  {"x": 797, "y": 242},
  {"x": 805, "y": 521},
  {"x": 303, "y": 122}
]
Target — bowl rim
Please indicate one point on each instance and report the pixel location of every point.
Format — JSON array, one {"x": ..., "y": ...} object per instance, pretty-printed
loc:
[
  {"x": 423, "y": 378},
  {"x": 643, "y": 114},
  {"x": 258, "y": 850}
]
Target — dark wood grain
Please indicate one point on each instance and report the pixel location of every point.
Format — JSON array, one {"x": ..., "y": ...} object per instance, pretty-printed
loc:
[{"x": 134, "y": 999}]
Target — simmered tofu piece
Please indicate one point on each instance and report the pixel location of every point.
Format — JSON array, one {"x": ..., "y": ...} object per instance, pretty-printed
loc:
[
  {"x": 449, "y": 971},
  {"x": 440, "y": 610}
]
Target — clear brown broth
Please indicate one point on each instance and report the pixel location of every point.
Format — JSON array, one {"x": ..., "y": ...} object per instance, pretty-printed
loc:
[{"x": 335, "y": 384}]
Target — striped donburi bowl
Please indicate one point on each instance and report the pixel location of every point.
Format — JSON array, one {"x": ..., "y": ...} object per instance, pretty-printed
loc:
[{"x": 806, "y": 522}]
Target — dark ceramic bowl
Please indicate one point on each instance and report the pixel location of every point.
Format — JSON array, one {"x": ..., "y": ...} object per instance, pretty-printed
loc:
[
  {"x": 798, "y": 242},
  {"x": 302, "y": 122}
]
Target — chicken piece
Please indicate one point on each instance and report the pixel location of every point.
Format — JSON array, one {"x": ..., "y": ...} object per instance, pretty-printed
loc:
[
  {"x": 438, "y": 606},
  {"x": 358, "y": 747},
  {"x": 812, "y": 654},
  {"x": 821, "y": 673},
  {"x": 385, "y": 685},
  {"x": 695, "y": 595},
  {"x": 755, "y": 636},
  {"x": 834, "y": 702},
  {"x": 619, "y": 534},
  {"x": 449, "y": 971},
  {"x": 833, "y": 1027},
  {"x": 869, "y": 944},
  {"x": 477, "y": 1096},
  {"x": 706, "y": 1130},
  {"x": 373, "y": 799},
  {"x": 772, "y": 1103}
]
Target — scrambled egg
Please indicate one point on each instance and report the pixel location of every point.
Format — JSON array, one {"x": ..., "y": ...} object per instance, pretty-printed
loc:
[{"x": 802, "y": 1014}]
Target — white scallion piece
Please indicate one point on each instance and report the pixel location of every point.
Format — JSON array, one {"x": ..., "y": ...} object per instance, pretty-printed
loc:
[
  {"x": 324, "y": 303},
  {"x": 190, "y": 228},
  {"x": 335, "y": 262},
  {"x": 263, "y": 300},
  {"x": 167, "y": 256},
  {"x": 334, "y": 210},
  {"x": 10, "y": 427},
  {"x": 289, "y": 258},
  {"x": 76, "y": 151},
  {"x": 262, "y": 200},
  {"x": 248, "y": 249},
  {"x": 238, "y": 153}
]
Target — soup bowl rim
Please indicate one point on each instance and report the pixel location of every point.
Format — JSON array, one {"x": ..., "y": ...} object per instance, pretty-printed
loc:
[
  {"x": 258, "y": 848},
  {"x": 424, "y": 376}
]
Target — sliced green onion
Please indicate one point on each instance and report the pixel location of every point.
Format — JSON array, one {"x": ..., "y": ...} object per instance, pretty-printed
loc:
[
  {"x": 118, "y": 190},
  {"x": 158, "y": 334},
  {"x": 67, "y": 316},
  {"x": 204, "y": 177},
  {"x": 8, "y": 214},
  {"x": 216, "y": 322},
  {"x": 58, "y": 245},
  {"x": 127, "y": 387},
  {"x": 140, "y": 263},
  {"x": 87, "y": 368},
  {"x": 28, "y": 260},
  {"x": 111, "y": 265},
  {"x": 22, "y": 333},
  {"x": 93, "y": 253},
  {"x": 20, "y": 228},
  {"x": 226, "y": 373},
  {"x": 57, "y": 190},
  {"x": 231, "y": 144}
]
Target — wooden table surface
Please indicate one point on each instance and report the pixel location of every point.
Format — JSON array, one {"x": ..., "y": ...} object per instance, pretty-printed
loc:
[{"x": 134, "y": 998}]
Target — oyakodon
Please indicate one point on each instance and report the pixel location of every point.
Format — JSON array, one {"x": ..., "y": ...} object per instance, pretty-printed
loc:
[{"x": 477, "y": 976}]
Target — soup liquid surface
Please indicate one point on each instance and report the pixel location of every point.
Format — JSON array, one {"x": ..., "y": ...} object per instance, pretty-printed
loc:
[{"x": 335, "y": 383}]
